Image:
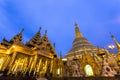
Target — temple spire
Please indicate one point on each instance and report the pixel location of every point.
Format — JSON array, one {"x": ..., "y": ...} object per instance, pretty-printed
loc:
[
  {"x": 38, "y": 34},
  {"x": 44, "y": 37},
  {"x": 35, "y": 40},
  {"x": 17, "y": 38},
  {"x": 116, "y": 42},
  {"x": 78, "y": 34}
]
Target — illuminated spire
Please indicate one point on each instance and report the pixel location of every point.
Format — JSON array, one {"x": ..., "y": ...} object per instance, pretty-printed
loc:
[
  {"x": 44, "y": 37},
  {"x": 78, "y": 34},
  {"x": 38, "y": 33},
  {"x": 17, "y": 38},
  {"x": 116, "y": 42},
  {"x": 35, "y": 40}
]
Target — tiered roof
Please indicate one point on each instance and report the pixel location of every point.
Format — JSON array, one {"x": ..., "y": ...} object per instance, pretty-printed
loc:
[{"x": 36, "y": 42}]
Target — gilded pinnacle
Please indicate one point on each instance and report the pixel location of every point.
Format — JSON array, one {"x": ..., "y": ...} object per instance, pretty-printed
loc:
[{"x": 78, "y": 34}]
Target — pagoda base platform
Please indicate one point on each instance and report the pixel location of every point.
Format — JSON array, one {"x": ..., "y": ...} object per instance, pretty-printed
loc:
[
  {"x": 17, "y": 78},
  {"x": 62, "y": 78},
  {"x": 86, "y": 78}
]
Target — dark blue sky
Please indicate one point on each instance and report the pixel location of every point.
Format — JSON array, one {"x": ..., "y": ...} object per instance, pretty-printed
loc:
[{"x": 96, "y": 18}]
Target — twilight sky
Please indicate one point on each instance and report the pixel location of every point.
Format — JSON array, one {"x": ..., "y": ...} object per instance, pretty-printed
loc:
[{"x": 96, "y": 19}]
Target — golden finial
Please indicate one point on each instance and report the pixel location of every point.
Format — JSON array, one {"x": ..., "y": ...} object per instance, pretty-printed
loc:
[
  {"x": 78, "y": 34},
  {"x": 111, "y": 35},
  {"x": 76, "y": 25},
  {"x": 116, "y": 42}
]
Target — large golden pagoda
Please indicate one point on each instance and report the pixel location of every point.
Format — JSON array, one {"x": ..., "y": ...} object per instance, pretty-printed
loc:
[
  {"x": 85, "y": 59},
  {"x": 79, "y": 43}
]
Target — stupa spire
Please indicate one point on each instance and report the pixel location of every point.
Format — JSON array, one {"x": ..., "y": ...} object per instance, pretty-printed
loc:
[
  {"x": 116, "y": 42},
  {"x": 79, "y": 43},
  {"x": 78, "y": 34}
]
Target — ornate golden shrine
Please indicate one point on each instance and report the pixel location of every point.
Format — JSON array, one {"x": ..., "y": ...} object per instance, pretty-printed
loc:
[{"x": 36, "y": 57}]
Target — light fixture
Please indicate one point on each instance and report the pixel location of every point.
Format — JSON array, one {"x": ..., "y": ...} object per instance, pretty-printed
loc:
[
  {"x": 13, "y": 46},
  {"x": 64, "y": 59},
  {"x": 111, "y": 46}
]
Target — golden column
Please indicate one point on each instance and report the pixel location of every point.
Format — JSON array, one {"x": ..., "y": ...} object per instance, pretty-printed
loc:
[
  {"x": 7, "y": 59},
  {"x": 51, "y": 66},
  {"x": 33, "y": 64},
  {"x": 11, "y": 62}
]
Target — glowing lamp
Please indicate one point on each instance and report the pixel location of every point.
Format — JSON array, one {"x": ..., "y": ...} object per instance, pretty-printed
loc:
[
  {"x": 111, "y": 47},
  {"x": 13, "y": 46},
  {"x": 64, "y": 59}
]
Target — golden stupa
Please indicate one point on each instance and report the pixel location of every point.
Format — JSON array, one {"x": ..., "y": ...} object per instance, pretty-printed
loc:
[
  {"x": 79, "y": 43},
  {"x": 90, "y": 60}
]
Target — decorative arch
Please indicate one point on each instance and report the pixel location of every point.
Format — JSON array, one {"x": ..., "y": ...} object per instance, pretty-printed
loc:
[{"x": 89, "y": 70}]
